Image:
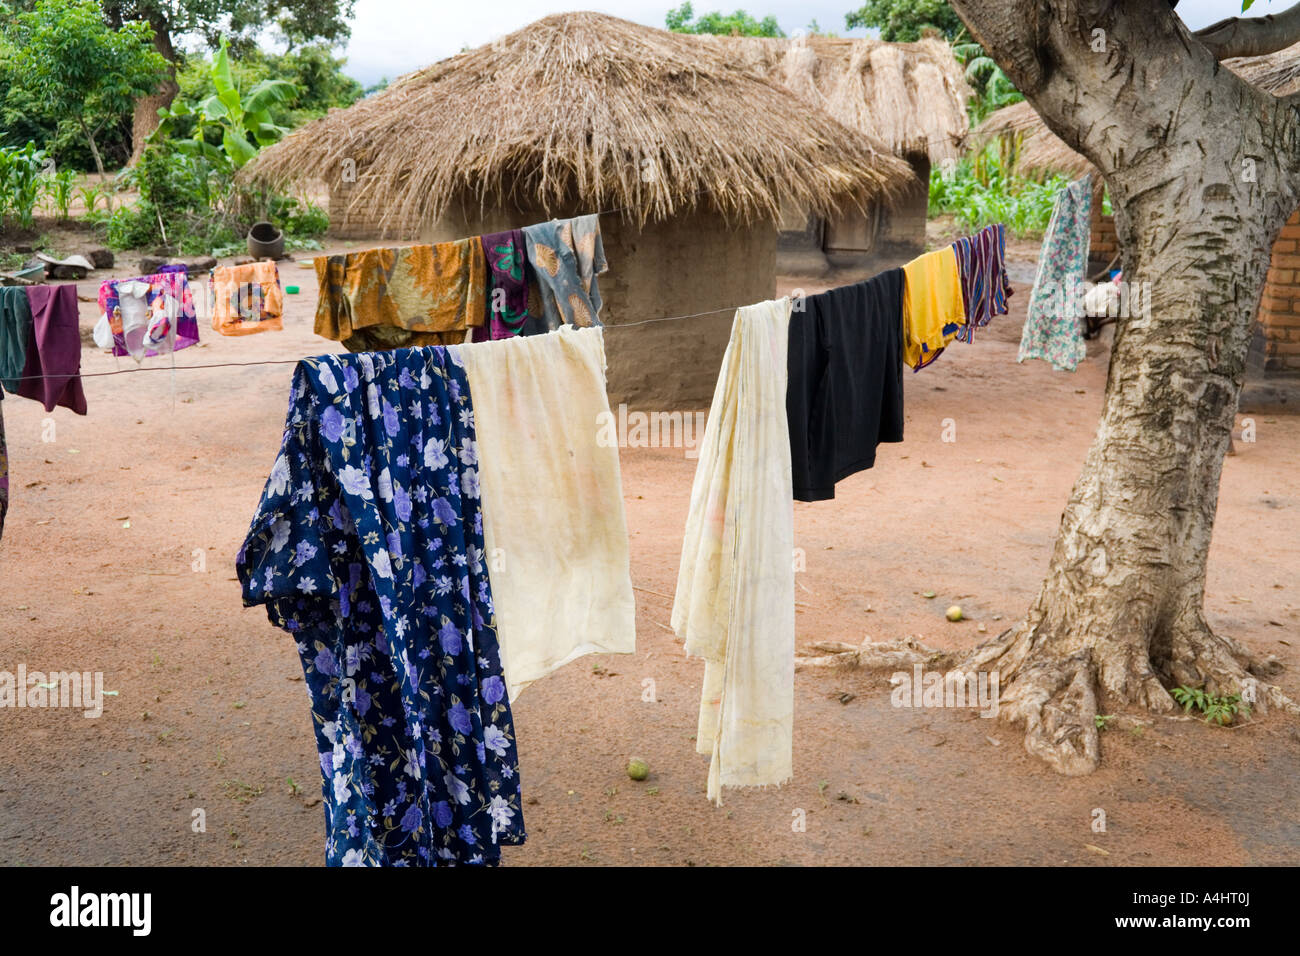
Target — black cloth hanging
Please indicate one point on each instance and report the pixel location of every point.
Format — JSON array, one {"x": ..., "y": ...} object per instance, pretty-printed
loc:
[{"x": 845, "y": 391}]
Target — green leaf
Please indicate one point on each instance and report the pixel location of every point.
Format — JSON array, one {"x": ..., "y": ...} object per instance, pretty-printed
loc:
[
  {"x": 237, "y": 148},
  {"x": 213, "y": 109},
  {"x": 267, "y": 93},
  {"x": 222, "y": 79}
]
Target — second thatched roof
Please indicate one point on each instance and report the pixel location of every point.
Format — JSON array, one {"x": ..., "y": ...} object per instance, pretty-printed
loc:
[
  {"x": 589, "y": 109},
  {"x": 1043, "y": 151},
  {"x": 910, "y": 96}
]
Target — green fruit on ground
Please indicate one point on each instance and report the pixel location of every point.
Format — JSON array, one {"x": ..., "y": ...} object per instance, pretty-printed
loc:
[
  {"x": 637, "y": 769},
  {"x": 954, "y": 613}
]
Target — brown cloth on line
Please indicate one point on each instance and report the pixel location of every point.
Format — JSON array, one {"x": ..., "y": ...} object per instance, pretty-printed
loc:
[{"x": 404, "y": 296}]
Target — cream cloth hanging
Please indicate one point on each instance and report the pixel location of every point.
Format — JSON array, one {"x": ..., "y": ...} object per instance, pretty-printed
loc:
[
  {"x": 735, "y": 587},
  {"x": 553, "y": 519}
]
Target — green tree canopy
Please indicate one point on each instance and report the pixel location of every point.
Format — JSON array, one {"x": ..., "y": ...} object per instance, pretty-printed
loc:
[
  {"x": 61, "y": 57},
  {"x": 740, "y": 23},
  {"x": 906, "y": 20},
  {"x": 239, "y": 21}
]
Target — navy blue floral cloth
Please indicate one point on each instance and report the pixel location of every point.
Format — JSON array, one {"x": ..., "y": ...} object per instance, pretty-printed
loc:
[{"x": 367, "y": 547}]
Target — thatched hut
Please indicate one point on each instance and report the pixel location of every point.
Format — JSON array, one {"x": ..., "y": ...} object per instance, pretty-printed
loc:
[
  {"x": 1276, "y": 349},
  {"x": 693, "y": 156},
  {"x": 910, "y": 96}
]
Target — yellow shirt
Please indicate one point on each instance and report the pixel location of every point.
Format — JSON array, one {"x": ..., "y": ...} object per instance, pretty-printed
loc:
[{"x": 931, "y": 300}]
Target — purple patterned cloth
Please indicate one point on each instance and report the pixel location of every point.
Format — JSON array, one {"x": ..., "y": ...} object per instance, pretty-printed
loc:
[
  {"x": 167, "y": 301},
  {"x": 507, "y": 289}
]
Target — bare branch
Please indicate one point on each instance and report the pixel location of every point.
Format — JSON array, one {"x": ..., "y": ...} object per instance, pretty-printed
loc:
[{"x": 1252, "y": 36}]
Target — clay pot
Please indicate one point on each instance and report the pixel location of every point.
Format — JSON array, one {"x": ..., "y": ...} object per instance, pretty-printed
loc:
[{"x": 265, "y": 241}]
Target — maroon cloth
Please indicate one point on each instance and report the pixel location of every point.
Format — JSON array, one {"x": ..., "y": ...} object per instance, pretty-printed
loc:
[{"x": 52, "y": 375}]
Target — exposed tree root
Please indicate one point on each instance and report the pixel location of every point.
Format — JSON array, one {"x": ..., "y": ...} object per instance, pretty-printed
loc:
[
  {"x": 1056, "y": 694},
  {"x": 1055, "y": 690},
  {"x": 1222, "y": 666},
  {"x": 869, "y": 655}
]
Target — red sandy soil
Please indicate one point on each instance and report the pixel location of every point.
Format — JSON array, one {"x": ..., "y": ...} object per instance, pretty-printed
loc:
[{"x": 211, "y": 711}]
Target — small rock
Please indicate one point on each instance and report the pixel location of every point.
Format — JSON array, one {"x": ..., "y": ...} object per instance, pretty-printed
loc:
[
  {"x": 149, "y": 265},
  {"x": 200, "y": 265},
  {"x": 100, "y": 258}
]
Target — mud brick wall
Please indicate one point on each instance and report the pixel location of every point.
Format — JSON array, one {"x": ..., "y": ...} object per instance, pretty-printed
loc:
[
  {"x": 687, "y": 265},
  {"x": 1279, "y": 310}
]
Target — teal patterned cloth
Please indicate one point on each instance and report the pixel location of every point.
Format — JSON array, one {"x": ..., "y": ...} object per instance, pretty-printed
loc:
[
  {"x": 1052, "y": 328},
  {"x": 15, "y": 327}
]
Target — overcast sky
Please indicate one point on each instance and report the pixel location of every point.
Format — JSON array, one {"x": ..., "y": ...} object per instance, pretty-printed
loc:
[{"x": 392, "y": 37}]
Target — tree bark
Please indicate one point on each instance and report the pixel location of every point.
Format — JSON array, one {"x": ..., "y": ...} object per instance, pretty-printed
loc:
[
  {"x": 1252, "y": 36},
  {"x": 145, "y": 117},
  {"x": 1201, "y": 169}
]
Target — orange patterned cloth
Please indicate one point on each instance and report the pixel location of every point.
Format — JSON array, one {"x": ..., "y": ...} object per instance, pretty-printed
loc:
[
  {"x": 404, "y": 296},
  {"x": 247, "y": 298}
]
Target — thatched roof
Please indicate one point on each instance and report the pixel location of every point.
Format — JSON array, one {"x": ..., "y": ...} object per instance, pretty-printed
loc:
[
  {"x": 1042, "y": 150},
  {"x": 910, "y": 96},
  {"x": 576, "y": 108}
]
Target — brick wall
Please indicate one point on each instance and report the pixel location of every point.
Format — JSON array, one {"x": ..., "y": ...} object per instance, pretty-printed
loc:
[
  {"x": 1277, "y": 345},
  {"x": 1104, "y": 245},
  {"x": 1279, "y": 311},
  {"x": 348, "y": 221}
]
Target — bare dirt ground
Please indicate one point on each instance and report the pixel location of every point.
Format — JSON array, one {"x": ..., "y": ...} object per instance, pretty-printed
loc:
[{"x": 119, "y": 557}]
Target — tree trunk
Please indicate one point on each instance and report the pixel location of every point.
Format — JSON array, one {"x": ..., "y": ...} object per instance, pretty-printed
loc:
[
  {"x": 1200, "y": 168},
  {"x": 94, "y": 152},
  {"x": 145, "y": 119},
  {"x": 1119, "y": 617}
]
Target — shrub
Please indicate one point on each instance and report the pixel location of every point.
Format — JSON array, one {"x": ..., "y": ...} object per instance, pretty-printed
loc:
[
  {"x": 982, "y": 188},
  {"x": 182, "y": 203}
]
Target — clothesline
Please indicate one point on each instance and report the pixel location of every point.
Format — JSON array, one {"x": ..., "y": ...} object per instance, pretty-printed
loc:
[
  {"x": 173, "y": 367},
  {"x": 602, "y": 212},
  {"x": 167, "y": 368}
]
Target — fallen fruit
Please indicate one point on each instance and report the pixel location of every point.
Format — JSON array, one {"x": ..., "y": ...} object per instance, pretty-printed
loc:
[
  {"x": 637, "y": 769},
  {"x": 954, "y": 613}
]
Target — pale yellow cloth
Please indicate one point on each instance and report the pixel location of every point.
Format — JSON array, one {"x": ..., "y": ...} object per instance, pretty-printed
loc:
[
  {"x": 553, "y": 519},
  {"x": 735, "y": 587}
]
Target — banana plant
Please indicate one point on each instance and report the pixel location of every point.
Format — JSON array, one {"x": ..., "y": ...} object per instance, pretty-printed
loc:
[
  {"x": 243, "y": 121},
  {"x": 993, "y": 89}
]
